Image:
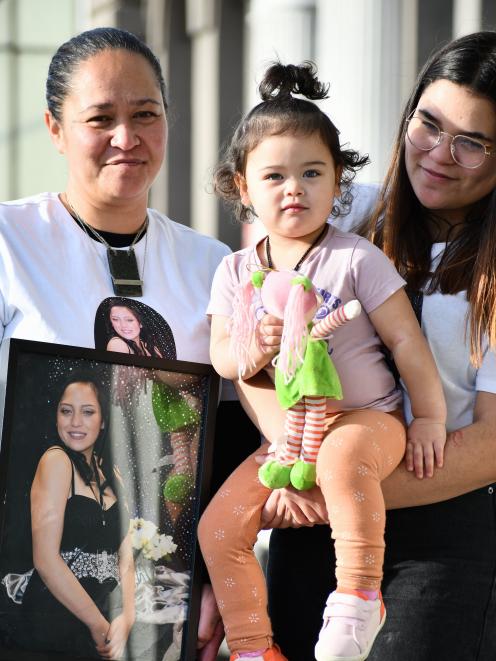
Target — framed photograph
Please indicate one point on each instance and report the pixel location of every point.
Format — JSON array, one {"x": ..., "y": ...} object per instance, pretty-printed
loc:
[{"x": 105, "y": 464}]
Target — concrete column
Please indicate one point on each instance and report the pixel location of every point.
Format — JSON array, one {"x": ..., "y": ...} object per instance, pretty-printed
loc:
[
  {"x": 101, "y": 13},
  {"x": 467, "y": 17},
  {"x": 156, "y": 29},
  {"x": 202, "y": 25},
  {"x": 84, "y": 19},
  {"x": 366, "y": 49},
  {"x": 275, "y": 30}
]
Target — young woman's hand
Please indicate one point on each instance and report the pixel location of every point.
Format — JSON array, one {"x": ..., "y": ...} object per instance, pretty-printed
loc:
[
  {"x": 426, "y": 439},
  {"x": 99, "y": 632},
  {"x": 290, "y": 508},
  {"x": 116, "y": 638}
]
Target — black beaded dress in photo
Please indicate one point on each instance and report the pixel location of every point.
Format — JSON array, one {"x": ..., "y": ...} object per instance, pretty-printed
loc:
[{"x": 90, "y": 543}]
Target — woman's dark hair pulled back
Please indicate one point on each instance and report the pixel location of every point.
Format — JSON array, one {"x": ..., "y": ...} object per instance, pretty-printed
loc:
[
  {"x": 83, "y": 46},
  {"x": 281, "y": 112}
]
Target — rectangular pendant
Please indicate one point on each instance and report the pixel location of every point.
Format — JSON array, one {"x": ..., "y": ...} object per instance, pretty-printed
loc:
[{"x": 124, "y": 272}]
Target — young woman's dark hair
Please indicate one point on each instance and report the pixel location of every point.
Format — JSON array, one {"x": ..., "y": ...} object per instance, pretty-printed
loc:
[
  {"x": 281, "y": 112},
  {"x": 401, "y": 226},
  {"x": 83, "y": 46}
]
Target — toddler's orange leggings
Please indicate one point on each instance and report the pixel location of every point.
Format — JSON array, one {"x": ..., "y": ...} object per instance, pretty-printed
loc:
[{"x": 360, "y": 449}]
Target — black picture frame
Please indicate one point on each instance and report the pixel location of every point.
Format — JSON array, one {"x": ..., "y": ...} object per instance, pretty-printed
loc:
[{"x": 144, "y": 394}]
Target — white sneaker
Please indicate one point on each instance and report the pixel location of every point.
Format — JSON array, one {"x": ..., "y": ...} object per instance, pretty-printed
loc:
[{"x": 350, "y": 627}]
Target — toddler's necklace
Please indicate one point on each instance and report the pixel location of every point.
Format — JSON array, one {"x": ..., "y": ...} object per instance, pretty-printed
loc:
[
  {"x": 123, "y": 266},
  {"x": 268, "y": 256}
]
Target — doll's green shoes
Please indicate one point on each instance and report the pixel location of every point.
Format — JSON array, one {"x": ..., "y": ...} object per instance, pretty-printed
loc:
[
  {"x": 303, "y": 475},
  {"x": 274, "y": 475}
]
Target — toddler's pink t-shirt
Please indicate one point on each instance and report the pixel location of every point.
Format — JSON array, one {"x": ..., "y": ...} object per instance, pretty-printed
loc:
[{"x": 343, "y": 266}]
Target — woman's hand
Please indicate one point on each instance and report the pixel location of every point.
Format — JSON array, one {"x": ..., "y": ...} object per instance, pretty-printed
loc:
[
  {"x": 116, "y": 637},
  {"x": 99, "y": 632},
  {"x": 290, "y": 508},
  {"x": 210, "y": 628}
]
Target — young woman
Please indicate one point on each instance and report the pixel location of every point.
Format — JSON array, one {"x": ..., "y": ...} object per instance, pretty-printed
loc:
[
  {"x": 75, "y": 519},
  {"x": 129, "y": 334}
]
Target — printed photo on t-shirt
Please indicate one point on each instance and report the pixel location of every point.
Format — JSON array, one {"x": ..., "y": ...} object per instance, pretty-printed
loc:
[{"x": 129, "y": 326}]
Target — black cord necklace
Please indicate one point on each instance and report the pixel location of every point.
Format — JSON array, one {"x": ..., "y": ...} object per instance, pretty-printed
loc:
[
  {"x": 123, "y": 266},
  {"x": 268, "y": 256}
]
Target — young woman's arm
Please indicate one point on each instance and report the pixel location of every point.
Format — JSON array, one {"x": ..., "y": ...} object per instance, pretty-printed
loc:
[
  {"x": 398, "y": 328},
  {"x": 49, "y": 492},
  {"x": 270, "y": 331},
  {"x": 470, "y": 463},
  {"x": 121, "y": 626}
]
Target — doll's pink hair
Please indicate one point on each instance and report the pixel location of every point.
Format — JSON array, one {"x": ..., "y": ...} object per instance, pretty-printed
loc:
[
  {"x": 242, "y": 326},
  {"x": 295, "y": 331}
]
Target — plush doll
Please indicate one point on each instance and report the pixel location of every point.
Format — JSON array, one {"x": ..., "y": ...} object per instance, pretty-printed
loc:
[{"x": 305, "y": 375}]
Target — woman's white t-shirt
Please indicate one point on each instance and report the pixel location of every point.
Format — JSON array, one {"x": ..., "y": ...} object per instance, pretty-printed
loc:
[
  {"x": 444, "y": 324},
  {"x": 54, "y": 277}
]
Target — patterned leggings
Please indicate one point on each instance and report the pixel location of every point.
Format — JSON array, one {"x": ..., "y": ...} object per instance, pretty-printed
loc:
[{"x": 360, "y": 449}]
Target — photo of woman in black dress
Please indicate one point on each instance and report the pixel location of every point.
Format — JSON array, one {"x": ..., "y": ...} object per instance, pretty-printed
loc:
[{"x": 81, "y": 550}]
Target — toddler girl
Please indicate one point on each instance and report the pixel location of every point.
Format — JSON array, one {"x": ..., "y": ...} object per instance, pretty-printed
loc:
[{"x": 285, "y": 165}]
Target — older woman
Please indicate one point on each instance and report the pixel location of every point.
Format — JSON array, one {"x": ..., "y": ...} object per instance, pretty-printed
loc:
[
  {"x": 63, "y": 253},
  {"x": 436, "y": 219}
]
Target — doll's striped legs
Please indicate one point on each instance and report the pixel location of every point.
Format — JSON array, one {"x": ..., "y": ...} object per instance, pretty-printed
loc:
[
  {"x": 303, "y": 473},
  {"x": 305, "y": 423},
  {"x": 336, "y": 318},
  {"x": 313, "y": 431},
  {"x": 295, "y": 459},
  {"x": 289, "y": 453}
]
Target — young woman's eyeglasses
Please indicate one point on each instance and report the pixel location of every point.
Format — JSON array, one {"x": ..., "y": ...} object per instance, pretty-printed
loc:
[{"x": 425, "y": 135}]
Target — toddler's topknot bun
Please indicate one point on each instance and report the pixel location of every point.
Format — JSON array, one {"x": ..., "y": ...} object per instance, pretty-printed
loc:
[{"x": 281, "y": 81}]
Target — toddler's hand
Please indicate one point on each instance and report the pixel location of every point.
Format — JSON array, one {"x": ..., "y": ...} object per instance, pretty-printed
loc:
[
  {"x": 270, "y": 333},
  {"x": 426, "y": 439}
]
